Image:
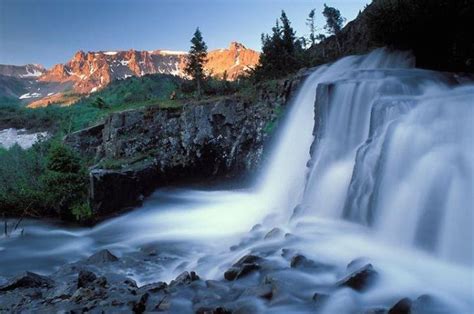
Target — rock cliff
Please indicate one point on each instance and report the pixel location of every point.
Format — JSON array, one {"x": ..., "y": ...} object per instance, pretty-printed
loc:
[{"x": 140, "y": 150}]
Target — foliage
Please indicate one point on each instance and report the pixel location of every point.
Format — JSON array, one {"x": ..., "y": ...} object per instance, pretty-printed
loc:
[
  {"x": 99, "y": 102},
  {"x": 195, "y": 60},
  {"x": 280, "y": 52},
  {"x": 334, "y": 20},
  {"x": 47, "y": 179},
  {"x": 438, "y": 31},
  {"x": 65, "y": 180},
  {"x": 310, "y": 22}
]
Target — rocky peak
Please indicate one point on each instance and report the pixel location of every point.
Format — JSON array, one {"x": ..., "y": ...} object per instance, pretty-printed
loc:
[
  {"x": 79, "y": 56},
  {"x": 235, "y": 46}
]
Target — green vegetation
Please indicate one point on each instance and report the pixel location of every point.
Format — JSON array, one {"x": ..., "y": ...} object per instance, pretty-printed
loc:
[
  {"x": 281, "y": 52},
  {"x": 195, "y": 61},
  {"x": 47, "y": 180}
]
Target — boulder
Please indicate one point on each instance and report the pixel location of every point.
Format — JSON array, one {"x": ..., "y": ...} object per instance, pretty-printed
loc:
[
  {"x": 27, "y": 280},
  {"x": 360, "y": 279},
  {"x": 243, "y": 267},
  {"x": 184, "y": 279},
  {"x": 140, "y": 306},
  {"x": 85, "y": 278},
  {"x": 404, "y": 306},
  {"x": 103, "y": 256}
]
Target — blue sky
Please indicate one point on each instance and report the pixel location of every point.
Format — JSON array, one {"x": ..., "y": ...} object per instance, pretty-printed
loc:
[{"x": 50, "y": 31}]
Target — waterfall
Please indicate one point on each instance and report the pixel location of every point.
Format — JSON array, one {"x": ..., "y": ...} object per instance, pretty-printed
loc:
[{"x": 392, "y": 149}]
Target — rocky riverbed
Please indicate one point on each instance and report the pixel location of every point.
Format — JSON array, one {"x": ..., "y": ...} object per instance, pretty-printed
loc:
[{"x": 267, "y": 280}]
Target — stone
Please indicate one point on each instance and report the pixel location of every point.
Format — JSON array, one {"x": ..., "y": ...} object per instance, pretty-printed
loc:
[
  {"x": 360, "y": 279},
  {"x": 184, "y": 278},
  {"x": 210, "y": 310},
  {"x": 103, "y": 256},
  {"x": 274, "y": 234},
  {"x": 140, "y": 306},
  {"x": 320, "y": 297},
  {"x": 404, "y": 306},
  {"x": 243, "y": 267},
  {"x": 85, "y": 278},
  {"x": 28, "y": 280},
  {"x": 154, "y": 287}
]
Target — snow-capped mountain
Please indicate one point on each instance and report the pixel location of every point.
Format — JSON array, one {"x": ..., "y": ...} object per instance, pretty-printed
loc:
[
  {"x": 22, "y": 71},
  {"x": 88, "y": 72}
]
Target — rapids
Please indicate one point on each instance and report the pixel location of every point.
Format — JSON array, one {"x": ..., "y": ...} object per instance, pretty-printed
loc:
[{"x": 374, "y": 159}]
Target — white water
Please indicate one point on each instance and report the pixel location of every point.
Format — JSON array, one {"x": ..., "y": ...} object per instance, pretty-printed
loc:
[{"x": 390, "y": 179}]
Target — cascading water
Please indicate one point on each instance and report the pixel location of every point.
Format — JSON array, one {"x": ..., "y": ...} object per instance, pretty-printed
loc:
[{"x": 387, "y": 175}]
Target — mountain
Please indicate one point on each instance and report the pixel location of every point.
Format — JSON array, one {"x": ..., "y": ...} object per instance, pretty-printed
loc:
[
  {"x": 22, "y": 71},
  {"x": 88, "y": 72}
]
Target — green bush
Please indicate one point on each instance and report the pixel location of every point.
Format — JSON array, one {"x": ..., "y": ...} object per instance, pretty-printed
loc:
[{"x": 45, "y": 180}]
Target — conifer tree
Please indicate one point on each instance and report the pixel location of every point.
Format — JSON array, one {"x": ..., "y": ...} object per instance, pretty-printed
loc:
[
  {"x": 334, "y": 22},
  {"x": 195, "y": 61},
  {"x": 310, "y": 22}
]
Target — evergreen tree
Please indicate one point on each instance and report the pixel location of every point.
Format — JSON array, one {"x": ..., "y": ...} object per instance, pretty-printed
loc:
[
  {"x": 334, "y": 22},
  {"x": 99, "y": 102},
  {"x": 310, "y": 22},
  {"x": 65, "y": 182},
  {"x": 195, "y": 61},
  {"x": 279, "y": 51}
]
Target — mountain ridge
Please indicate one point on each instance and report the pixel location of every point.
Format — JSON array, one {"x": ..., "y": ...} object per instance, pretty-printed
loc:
[{"x": 88, "y": 72}]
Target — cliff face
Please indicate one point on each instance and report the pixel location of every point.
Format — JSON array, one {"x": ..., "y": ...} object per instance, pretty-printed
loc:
[
  {"x": 92, "y": 71},
  {"x": 140, "y": 150}
]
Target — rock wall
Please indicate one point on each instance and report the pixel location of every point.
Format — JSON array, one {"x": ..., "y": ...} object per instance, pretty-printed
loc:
[{"x": 140, "y": 150}]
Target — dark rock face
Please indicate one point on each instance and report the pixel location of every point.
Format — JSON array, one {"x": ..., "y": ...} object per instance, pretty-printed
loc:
[
  {"x": 243, "y": 267},
  {"x": 103, "y": 256},
  {"x": 140, "y": 150},
  {"x": 27, "y": 280},
  {"x": 404, "y": 306},
  {"x": 85, "y": 278},
  {"x": 360, "y": 279}
]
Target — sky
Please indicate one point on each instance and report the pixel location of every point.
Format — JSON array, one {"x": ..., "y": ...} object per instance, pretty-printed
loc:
[{"x": 48, "y": 32}]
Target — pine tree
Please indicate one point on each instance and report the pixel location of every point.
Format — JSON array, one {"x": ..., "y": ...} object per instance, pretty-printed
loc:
[
  {"x": 334, "y": 22},
  {"x": 279, "y": 51},
  {"x": 195, "y": 61},
  {"x": 312, "y": 27}
]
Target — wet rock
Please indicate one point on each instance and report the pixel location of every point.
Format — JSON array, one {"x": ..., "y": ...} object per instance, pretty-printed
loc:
[
  {"x": 85, "y": 278},
  {"x": 274, "y": 234},
  {"x": 83, "y": 295},
  {"x": 163, "y": 305},
  {"x": 210, "y": 310},
  {"x": 299, "y": 261},
  {"x": 242, "y": 267},
  {"x": 184, "y": 278},
  {"x": 140, "y": 306},
  {"x": 28, "y": 280},
  {"x": 404, "y": 306},
  {"x": 360, "y": 279},
  {"x": 131, "y": 283},
  {"x": 264, "y": 291},
  {"x": 320, "y": 297},
  {"x": 103, "y": 256},
  {"x": 376, "y": 311},
  {"x": 429, "y": 304},
  {"x": 154, "y": 287}
]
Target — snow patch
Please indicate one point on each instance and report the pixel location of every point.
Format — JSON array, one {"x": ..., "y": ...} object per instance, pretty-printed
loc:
[
  {"x": 172, "y": 53},
  {"x": 10, "y": 137},
  {"x": 110, "y": 53},
  {"x": 29, "y": 95}
]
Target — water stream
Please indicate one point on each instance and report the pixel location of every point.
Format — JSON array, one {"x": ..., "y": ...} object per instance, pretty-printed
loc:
[{"x": 388, "y": 176}]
